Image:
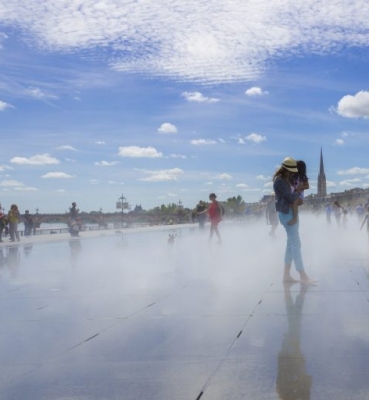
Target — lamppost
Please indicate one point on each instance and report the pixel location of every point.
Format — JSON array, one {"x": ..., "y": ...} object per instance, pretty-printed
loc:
[{"x": 120, "y": 204}]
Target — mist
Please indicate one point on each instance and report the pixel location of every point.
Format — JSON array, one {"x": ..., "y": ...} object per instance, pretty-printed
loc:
[{"x": 133, "y": 313}]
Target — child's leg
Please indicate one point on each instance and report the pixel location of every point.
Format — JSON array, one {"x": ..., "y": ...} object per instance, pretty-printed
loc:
[{"x": 295, "y": 210}]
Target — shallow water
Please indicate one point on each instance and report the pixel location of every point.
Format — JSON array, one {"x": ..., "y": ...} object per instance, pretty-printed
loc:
[{"x": 130, "y": 316}]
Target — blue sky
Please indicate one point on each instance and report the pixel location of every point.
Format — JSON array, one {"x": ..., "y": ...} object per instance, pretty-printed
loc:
[{"x": 170, "y": 100}]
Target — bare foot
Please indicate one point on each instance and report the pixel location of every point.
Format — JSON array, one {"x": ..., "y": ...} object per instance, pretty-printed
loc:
[
  {"x": 289, "y": 279},
  {"x": 292, "y": 222}
]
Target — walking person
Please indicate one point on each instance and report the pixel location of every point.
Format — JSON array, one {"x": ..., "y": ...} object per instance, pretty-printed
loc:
[
  {"x": 366, "y": 219},
  {"x": 3, "y": 222},
  {"x": 215, "y": 215},
  {"x": 338, "y": 211},
  {"x": 13, "y": 217},
  {"x": 201, "y": 217},
  {"x": 285, "y": 195}
]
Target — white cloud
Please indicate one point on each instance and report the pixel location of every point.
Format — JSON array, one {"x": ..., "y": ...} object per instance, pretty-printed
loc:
[
  {"x": 57, "y": 175},
  {"x": 354, "y": 106},
  {"x": 177, "y": 156},
  {"x": 241, "y": 141},
  {"x": 167, "y": 127},
  {"x": 25, "y": 189},
  {"x": 4, "y": 168},
  {"x": 268, "y": 184},
  {"x": 162, "y": 175},
  {"x": 40, "y": 159},
  {"x": 340, "y": 142},
  {"x": 100, "y": 143},
  {"x": 349, "y": 182},
  {"x": 106, "y": 163},
  {"x": 241, "y": 185},
  {"x": 139, "y": 152},
  {"x": 4, "y": 106},
  {"x": 224, "y": 177},
  {"x": 262, "y": 178},
  {"x": 192, "y": 40},
  {"x": 331, "y": 184},
  {"x": 255, "y": 138},
  {"x": 203, "y": 142},
  {"x": 199, "y": 97},
  {"x": 11, "y": 183},
  {"x": 354, "y": 171},
  {"x": 66, "y": 147},
  {"x": 255, "y": 91}
]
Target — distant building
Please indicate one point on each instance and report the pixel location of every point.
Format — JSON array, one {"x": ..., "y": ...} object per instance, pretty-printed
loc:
[{"x": 322, "y": 182}]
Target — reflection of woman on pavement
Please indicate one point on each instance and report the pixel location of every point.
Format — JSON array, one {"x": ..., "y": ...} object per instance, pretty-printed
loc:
[{"x": 293, "y": 382}]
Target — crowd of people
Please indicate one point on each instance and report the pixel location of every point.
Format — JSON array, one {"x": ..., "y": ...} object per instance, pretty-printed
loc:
[
  {"x": 10, "y": 220},
  {"x": 9, "y": 223}
]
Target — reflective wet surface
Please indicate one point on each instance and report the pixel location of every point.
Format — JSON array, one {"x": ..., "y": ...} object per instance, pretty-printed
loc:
[{"x": 132, "y": 317}]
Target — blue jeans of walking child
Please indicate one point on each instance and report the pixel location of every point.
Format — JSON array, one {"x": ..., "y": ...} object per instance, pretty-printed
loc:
[{"x": 293, "y": 249}]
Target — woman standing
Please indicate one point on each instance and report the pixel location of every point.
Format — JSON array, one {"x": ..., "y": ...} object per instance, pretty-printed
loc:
[
  {"x": 285, "y": 195},
  {"x": 13, "y": 217},
  {"x": 215, "y": 215}
]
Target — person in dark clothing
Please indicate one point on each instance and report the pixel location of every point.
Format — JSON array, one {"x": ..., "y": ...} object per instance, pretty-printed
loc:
[{"x": 28, "y": 223}]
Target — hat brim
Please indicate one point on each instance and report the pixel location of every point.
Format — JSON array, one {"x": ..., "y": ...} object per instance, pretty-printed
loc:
[{"x": 291, "y": 169}]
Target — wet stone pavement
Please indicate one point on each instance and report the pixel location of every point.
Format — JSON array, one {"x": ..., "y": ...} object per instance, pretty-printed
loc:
[{"x": 132, "y": 317}]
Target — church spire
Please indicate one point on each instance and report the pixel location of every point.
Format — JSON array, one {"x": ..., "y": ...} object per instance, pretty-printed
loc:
[{"x": 322, "y": 182}]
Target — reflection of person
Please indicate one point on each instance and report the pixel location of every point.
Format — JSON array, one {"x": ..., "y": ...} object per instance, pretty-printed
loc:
[
  {"x": 283, "y": 189},
  {"x": 75, "y": 249},
  {"x": 271, "y": 216},
  {"x": 215, "y": 215},
  {"x": 293, "y": 382}
]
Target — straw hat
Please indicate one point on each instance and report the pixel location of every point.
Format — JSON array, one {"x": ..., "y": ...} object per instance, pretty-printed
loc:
[{"x": 290, "y": 164}]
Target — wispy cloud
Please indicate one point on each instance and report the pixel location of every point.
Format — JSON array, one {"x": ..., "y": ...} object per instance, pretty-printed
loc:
[
  {"x": 224, "y": 177},
  {"x": 192, "y": 40},
  {"x": 354, "y": 171},
  {"x": 40, "y": 159},
  {"x": 106, "y": 163},
  {"x": 164, "y": 175},
  {"x": 39, "y": 94},
  {"x": 199, "y": 97},
  {"x": 4, "y": 106},
  {"x": 203, "y": 142},
  {"x": 139, "y": 152},
  {"x": 57, "y": 175},
  {"x": 66, "y": 147},
  {"x": 100, "y": 142}
]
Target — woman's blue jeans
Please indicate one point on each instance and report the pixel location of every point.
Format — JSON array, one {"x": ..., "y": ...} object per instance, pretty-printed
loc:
[{"x": 293, "y": 249}]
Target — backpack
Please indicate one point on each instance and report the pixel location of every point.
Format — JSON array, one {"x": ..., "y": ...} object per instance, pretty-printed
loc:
[{"x": 222, "y": 208}]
